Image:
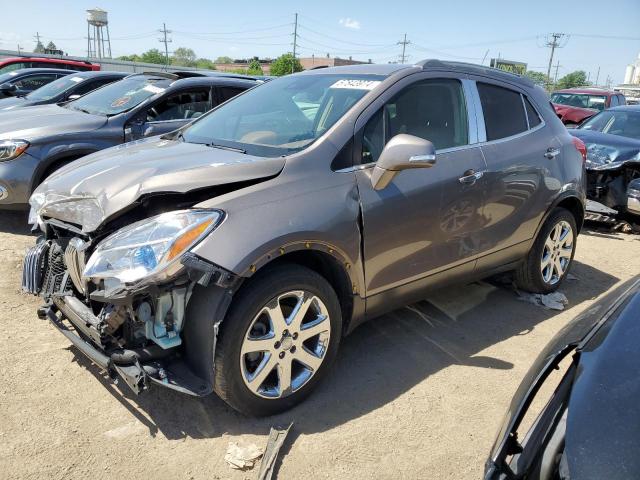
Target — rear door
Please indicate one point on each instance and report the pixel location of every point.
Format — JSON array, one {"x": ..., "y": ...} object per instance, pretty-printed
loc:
[
  {"x": 523, "y": 165},
  {"x": 425, "y": 220}
]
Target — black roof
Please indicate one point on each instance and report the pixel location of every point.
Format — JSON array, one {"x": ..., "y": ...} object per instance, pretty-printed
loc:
[
  {"x": 176, "y": 75},
  {"x": 626, "y": 108},
  {"x": 96, "y": 74}
]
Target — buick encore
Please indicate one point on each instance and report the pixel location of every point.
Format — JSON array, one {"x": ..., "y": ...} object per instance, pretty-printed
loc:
[{"x": 233, "y": 254}]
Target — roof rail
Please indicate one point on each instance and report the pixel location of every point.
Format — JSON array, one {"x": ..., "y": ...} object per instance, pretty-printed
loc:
[
  {"x": 473, "y": 68},
  {"x": 170, "y": 76}
]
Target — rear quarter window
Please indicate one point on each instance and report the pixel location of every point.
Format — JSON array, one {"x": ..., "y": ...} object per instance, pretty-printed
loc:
[{"x": 504, "y": 113}]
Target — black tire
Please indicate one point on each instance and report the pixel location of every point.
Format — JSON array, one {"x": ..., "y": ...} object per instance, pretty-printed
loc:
[
  {"x": 262, "y": 288},
  {"x": 529, "y": 275}
]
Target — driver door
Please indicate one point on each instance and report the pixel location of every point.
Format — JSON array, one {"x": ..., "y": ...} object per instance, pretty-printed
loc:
[
  {"x": 424, "y": 222},
  {"x": 169, "y": 113}
]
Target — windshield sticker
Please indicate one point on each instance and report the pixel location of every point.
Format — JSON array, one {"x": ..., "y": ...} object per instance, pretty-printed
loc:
[
  {"x": 76, "y": 79},
  {"x": 120, "y": 102},
  {"x": 153, "y": 89},
  {"x": 356, "y": 84}
]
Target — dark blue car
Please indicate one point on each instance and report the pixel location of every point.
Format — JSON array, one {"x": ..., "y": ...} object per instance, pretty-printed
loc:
[
  {"x": 612, "y": 138},
  {"x": 21, "y": 82}
]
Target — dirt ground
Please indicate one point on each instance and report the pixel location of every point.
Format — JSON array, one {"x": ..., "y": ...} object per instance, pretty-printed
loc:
[{"x": 418, "y": 393}]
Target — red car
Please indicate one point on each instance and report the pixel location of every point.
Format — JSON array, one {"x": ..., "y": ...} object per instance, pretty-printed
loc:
[
  {"x": 573, "y": 105},
  {"x": 8, "y": 64}
]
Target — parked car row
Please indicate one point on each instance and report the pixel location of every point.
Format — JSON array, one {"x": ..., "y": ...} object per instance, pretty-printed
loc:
[{"x": 575, "y": 105}]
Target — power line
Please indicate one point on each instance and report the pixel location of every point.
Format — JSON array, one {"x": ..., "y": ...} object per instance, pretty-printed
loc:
[
  {"x": 404, "y": 44},
  {"x": 304, "y": 27},
  {"x": 274, "y": 27},
  {"x": 166, "y": 42}
]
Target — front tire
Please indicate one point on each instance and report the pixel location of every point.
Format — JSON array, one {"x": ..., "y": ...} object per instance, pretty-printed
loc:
[
  {"x": 278, "y": 340},
  {"x": 548, "y": 262}
]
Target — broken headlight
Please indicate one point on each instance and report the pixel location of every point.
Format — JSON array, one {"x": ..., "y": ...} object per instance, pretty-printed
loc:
[
  {"x": 151, "y": 247},
  {"x": 84, "y": 211}
]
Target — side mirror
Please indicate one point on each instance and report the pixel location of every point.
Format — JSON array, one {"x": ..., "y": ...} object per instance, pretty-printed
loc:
[
  {"x": 401, "y": 153},
  {"x": 8, "y": 88}
]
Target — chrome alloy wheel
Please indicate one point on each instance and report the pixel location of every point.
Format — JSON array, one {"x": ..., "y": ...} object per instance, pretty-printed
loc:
[
  {"x": 557, "y": 252},
  {"x": 285, "y": 344}
]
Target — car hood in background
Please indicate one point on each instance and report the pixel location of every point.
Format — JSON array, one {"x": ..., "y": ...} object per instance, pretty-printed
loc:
[
  {"x": 12, "y": 102},
  {"x": 606, "y": 151},
  {"x": 40, "y": 121},
  {"x": 116, "y": 178},
  {"x": 573, "y": 114}
]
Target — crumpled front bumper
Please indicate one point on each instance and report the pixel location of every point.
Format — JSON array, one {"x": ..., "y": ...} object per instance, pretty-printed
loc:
[{"x": 139, "y": 369}]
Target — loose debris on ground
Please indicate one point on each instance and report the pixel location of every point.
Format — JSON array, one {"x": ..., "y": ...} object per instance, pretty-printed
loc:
[
  {"x": 274, "y": 444},
  {"x": 242, "y": 457},
  {"x": 553, "y": 301}
]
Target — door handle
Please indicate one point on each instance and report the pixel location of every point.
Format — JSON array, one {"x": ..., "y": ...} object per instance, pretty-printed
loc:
[
  {"x": 552, "y": 153},
  {"x": 470, "y": 177}
]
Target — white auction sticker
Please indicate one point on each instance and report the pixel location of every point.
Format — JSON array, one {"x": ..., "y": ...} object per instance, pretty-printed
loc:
[
  {"x": 356, "y": 84},
  {"x": 153, "y": 89}
]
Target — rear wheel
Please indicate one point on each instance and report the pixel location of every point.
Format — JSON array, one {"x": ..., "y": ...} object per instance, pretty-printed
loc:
[
  {"x": 550, "y": 258},
  {"x": 278, "y": 340}
]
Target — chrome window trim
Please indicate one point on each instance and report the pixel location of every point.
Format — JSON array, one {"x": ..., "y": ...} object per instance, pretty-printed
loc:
[
  {"x": 524, "y": 108},
  {"x": 469, "y": 92}
]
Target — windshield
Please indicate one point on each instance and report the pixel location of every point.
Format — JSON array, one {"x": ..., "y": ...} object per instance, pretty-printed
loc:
[
  {"x": 581, "y": 100},
  {"x": 54, "y": 88},
  {"x": 119, "y": 96},
  {"x": 7, "y": 77},
  {"x": 622, "y": 123},
  {"x": 282, "y": 116}
]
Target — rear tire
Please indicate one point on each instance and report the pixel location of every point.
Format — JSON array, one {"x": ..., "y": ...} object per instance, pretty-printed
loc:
[
  {"x": 261, "y": 364},
  {"x": 550, "y": 258}
]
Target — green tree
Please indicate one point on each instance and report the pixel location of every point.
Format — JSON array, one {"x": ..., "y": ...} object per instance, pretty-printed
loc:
[
  {"x": 255, "y": 68},
  {"x": 185, "y": 57},
  {"x": 39, "y": 48},
  {"x": 130, "y": 58},
  {"x": 223, "y": 59},
  {"x": 285, "y": 64},
  {"x": 537, "y": 77},
  {"x": 51, "y": 46},
  {"x": 573, "y": 79},
  {"x": 205, "y": 63},
  {"x": 153, "y": 56}
]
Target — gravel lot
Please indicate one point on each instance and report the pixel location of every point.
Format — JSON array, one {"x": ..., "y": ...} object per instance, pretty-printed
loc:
[{"x": 418, "y": 393}]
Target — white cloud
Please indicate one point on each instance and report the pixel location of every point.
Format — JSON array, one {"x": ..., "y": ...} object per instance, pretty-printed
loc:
[{"x": 350, "y": 23}]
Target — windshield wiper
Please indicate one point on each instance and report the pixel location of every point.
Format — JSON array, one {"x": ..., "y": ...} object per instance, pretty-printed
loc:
[
  {"x": 83, "y": 110},
  {"x": 224, "y": 147}
]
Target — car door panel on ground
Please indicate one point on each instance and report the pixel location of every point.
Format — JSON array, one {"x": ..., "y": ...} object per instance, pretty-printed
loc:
[
  {"x": 426, "y": 220},
  {"x": 523, "y": 158}
]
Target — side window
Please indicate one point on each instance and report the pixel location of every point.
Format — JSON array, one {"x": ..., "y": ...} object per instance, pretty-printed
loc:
[
  {"x": 532, "y": 114},
  {"x": 431, "y": 109},
  {"x": 180, "y": 106},
  {"x": 15, "y": 66},
  {"x": 622, "y": 99},
  {"x": 90, "y": 86},
  {"x": 229, "y": 92},
  {"x": 503, "y": 112},
  {"x": 613, "y": 101},
  {"x": 34, "y": 82}
]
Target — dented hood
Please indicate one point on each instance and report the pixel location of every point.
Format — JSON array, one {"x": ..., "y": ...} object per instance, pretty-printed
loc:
[{"x": 90, "y": 190}]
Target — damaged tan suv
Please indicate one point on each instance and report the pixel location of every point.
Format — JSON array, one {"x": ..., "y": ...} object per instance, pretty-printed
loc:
[{"x": 234, "y": 254}]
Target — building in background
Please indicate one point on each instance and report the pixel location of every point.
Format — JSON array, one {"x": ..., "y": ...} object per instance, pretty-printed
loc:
[
  {"x": 314, "y": 62},
  {"x": 630, "y": 88}
]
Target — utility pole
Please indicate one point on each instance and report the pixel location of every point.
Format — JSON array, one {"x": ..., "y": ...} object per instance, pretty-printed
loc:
[
  {"x": 295, "y": 42},
  {"x": 166, "y": 42},
  {"x": 553, "y": 43},
  {"x": 597, "y": 77},
  {"x": 19, "y": 51},
  {"x": 37, "y": 37},
  {"x": 404, "y": 44},
  {"x": 555, "y": 78}
]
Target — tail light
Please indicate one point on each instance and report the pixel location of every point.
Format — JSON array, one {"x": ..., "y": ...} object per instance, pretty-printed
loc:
[{"x": 581, "y": 147}]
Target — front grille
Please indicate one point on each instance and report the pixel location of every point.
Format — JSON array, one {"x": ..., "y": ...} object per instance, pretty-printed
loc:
[
  {"x": 34, "y": 268},
  {"x": 56, "y": 279},
  {"x": 74, "y": 260}
]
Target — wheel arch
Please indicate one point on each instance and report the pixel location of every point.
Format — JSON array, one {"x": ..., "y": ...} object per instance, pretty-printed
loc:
[
  {"x": 328, "y": 263},
  {"x": 572, "y": 202}
]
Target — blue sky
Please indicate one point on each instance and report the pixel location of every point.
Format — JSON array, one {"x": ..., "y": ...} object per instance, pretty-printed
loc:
[{"x": 450, "y": 29}]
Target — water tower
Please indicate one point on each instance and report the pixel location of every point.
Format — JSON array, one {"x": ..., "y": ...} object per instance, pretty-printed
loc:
[{"x": 98, "y": 40}]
